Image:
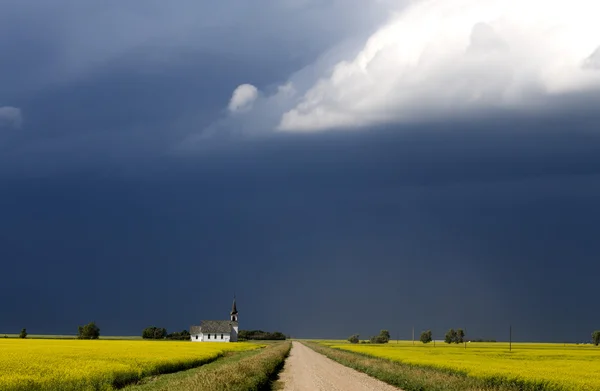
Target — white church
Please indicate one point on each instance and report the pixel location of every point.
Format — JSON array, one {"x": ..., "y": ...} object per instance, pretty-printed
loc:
[{"x": 217, "y": 330}]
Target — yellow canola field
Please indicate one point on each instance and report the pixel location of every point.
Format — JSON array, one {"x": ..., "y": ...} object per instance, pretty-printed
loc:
[
  {"x": 38, "y": 364},
  {"x": 551, "y": 366}
]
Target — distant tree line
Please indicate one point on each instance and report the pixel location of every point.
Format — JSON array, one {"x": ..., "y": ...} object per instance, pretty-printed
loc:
[
  {"x": 92, "y": 331},
  {"x": 458, "y": 336},
  {"x": 383, "y": 337},
  {"x": 452, "y": 336},
  {"x": 161, "y": 333},
  {"x": 247, "y": 335},
  {"x": 183, "y": 335}
]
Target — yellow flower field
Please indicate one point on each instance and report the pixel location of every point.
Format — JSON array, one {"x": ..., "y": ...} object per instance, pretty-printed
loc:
[
  {"x": 555, "y": 366},
  {"x": 40, "y": 364}
]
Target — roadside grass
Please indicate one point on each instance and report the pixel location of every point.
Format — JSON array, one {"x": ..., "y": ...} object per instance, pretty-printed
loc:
[
  {"x": 411, "y": 377},
  {"x": 254, "y": 370}
]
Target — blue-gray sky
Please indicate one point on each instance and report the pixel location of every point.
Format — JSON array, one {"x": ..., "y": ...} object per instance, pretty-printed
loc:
[{"x": 342, "y": 166}]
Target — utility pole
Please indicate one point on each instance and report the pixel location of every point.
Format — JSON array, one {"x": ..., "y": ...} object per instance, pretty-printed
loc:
[
  {"x": 510, "y": 338},
  {"x": 413, "y": 335}
]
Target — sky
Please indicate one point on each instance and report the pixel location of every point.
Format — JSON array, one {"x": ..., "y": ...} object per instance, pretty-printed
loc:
[{"x": 340, "y": 166}]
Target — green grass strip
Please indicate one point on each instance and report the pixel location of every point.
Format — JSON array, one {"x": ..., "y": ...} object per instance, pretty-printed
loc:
[{"x": 246, "y": 371}]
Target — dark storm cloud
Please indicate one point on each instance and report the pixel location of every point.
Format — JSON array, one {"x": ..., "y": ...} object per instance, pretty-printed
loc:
[
  {"x": 108, "y": 189},
  {"x": 10, "y": 117},
  {"x": 322, "y": 236}
]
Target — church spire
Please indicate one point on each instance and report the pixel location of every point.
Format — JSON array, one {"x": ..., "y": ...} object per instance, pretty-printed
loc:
[
  {"x": 234, "y": 311},
  {"x": 233, "y": 307}
]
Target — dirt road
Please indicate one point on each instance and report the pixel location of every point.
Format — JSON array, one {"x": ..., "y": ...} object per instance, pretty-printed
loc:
[{"x": 308, "y": 370}]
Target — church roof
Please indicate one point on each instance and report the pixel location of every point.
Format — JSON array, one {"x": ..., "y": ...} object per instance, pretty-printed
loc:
[
  {"x": 194, "y": 329},
  {"x": 213, "y": 326}
]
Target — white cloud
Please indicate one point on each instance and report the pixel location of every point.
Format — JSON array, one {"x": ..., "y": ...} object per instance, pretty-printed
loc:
[
  {"x": 440, "y": 58},
  {"x": 10, "y": 117},
  {"x": 243, "y": 98},
  {"x": 593, "y": 61}
]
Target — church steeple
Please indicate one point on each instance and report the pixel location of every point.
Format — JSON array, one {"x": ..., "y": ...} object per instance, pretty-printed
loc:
[{"x": 234, "y": 311}]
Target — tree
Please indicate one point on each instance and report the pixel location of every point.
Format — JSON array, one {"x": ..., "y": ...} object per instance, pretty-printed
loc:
[
  {"x": 23, "y": 333},
  {"x": 451, "y": 336},
  {"x": 383, "y": 337},
  {"x": 354, "y": 338},
  {"x": 154, "y": 333},
  {"x": 278, "y": 336},
  {"x": 596, "y": 337},
  {"x": 89, "y": 331},
  {"x": 260, "y": 335},
  {"x": 184, "y": 335},
  {"x": 426, "y": 336},
  {"x": 455, "y": 336}
]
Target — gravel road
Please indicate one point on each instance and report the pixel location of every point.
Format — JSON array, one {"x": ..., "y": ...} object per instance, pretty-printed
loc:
[{"x": 308, "y": 370}]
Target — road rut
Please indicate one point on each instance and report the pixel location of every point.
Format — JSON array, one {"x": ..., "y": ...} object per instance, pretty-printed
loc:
[{"x": 307, "y": 370}]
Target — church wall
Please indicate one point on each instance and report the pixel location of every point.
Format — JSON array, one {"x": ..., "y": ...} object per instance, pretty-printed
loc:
[{"x": 204, "y": 337}]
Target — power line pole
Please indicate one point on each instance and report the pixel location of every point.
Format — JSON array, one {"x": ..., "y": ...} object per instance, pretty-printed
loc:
[{"x": 510, "y": 338}]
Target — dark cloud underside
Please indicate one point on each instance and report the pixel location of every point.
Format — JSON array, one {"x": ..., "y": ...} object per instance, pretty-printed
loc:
[{"x": 319, "y": 237}]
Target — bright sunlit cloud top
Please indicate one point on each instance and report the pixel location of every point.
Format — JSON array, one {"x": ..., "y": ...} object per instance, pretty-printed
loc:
[{"x": 439, "y": 58}]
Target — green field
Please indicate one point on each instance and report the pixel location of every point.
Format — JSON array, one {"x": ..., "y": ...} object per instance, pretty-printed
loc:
[{"x": 527, "y": 366}]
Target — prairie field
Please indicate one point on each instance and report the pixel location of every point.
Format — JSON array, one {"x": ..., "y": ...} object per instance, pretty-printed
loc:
[
  {"x": 528, "y": 366},
  {"x": 46, "y": 364}
]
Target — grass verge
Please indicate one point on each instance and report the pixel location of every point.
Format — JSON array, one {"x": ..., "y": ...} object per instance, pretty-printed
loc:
[
  {"x": 251, "y": 370},
  {"x": 410, "y": 377}
]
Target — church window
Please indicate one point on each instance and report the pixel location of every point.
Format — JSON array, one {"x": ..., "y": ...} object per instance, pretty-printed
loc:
[
  {"x": 208, "y": 336},
  {"x": 221, "y": 336},
  {"x": 196, "y": 337}
]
